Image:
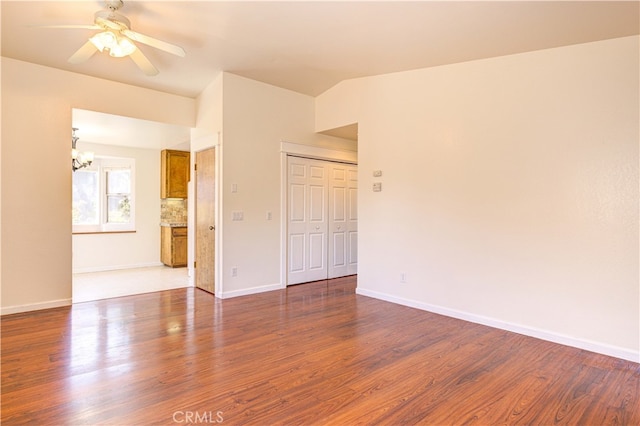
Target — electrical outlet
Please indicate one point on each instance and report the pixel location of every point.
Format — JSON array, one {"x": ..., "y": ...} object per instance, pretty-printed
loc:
[
  {"x": 269, "y": 215},
  {"x": 234, "y": 271}
]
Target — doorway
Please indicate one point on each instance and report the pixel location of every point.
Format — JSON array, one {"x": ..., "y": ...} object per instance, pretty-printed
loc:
[
  {"x": 110, "y": 255},
  {"x": 205, "y": 220},
  {"x": 322, "y": 219}
]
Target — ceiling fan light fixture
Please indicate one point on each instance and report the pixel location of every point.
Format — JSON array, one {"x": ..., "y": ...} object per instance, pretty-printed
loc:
[
  {"x": 124, "y": 47},
  {"x": 117, "y": 46},
  {"x": 103, "y": 40},
  {"x": 116, "y": 37}
]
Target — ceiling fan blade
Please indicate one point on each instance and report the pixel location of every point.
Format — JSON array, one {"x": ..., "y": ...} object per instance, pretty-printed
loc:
[
  {"x": 85, "y": 52},
  {"x": 143, "y": 63},
  {"x": 73, "y": 27},
  {"x": 153, "y": 42}
]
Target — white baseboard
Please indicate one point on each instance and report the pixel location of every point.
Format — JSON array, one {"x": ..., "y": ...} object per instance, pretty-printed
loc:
[
  {"x": 115, "y": 267},
  {"x": 247, "y": 291},
  {"x": 601, "y": 348},
  {"x": 6, "y": 310}
]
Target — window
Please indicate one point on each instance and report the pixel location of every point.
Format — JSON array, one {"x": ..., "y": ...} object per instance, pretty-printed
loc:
[{"x": 103, "y": 196}]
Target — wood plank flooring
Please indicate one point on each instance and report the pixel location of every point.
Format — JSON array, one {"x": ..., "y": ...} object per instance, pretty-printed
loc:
[{"x": 313, "y": 354}]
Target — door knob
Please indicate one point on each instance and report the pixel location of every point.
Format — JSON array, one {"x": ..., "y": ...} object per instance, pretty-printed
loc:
[{"x": 211, "y": 228}]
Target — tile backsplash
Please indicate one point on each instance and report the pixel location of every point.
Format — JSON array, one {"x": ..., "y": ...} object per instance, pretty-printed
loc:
[{"x": 173, "y": 211}]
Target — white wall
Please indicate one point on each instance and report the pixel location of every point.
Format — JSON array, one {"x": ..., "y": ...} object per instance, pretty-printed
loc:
[
  {"x": 339, "y": 106},
  {"x": 36, "y": 175},
  {"x": 510, "y": 192},
  {"x": 209, "y": 116},
  {"x": 100, "y": 252},
  {"x": 256, "y": 118}
]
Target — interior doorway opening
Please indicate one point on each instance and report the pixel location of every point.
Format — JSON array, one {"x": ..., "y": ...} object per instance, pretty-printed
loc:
[{"x": 113, "y": 261}]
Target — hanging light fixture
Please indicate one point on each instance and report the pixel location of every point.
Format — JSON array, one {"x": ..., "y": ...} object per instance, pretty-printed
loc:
[
  {"x": 78, "y": 159},
  {"x": 117, "y": 46}
]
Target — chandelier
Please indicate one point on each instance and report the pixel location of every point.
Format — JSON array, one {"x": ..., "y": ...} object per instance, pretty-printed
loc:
[{"x": 78, "y": 159}]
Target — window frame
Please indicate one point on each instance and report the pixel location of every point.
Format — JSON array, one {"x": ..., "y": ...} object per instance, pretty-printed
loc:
[{"x": 103, "y": 165}]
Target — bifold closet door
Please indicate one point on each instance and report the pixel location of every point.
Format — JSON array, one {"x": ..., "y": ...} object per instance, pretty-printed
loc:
[
  {"x": 307, "y": 233},
  {"x": 343, "y": 220},
  {"x": 322, "y": 220}
]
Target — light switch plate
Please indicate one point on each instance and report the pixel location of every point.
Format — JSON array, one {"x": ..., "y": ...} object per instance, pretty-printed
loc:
[
  {"x": 377, "y": 173},
  {"x": 377, "y": 187}
]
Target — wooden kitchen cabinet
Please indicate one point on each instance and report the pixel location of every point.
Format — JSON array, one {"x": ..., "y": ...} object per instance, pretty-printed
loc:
[
  {"x": 173, "y": 245},
  {"x": 174, "y": 173}
]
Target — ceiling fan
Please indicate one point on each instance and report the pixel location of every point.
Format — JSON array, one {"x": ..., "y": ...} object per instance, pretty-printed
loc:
[{"x": 117, "y": 38}]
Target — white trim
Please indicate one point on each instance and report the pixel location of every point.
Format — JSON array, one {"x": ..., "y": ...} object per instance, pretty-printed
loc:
[
  {"x": 7, "y": 310},
  {"x": 319, "y": 153},
  {"x": 219, "y": 227},
  {"x": 283, "y": 218},
  {"x": 116, "y": 267},
  {"x": 601, "y": 348},
  {"x": 248, "y": 291},
  {"x": 191, "y": 225}
]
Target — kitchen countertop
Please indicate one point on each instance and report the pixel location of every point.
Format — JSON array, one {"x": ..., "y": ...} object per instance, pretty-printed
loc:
[{"x": 173, "y": 224}]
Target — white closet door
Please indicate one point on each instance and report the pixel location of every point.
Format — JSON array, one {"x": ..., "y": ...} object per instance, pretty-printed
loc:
[
  {"x": 343, "y": 220},
  {"x": 352, "y": 221},
  {"x": 322, "y": 230},
  {"x": 308, "y": 208}
]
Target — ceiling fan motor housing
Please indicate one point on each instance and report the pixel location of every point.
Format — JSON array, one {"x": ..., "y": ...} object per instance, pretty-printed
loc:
[
  {"x": 108, "y": 15},
  {"x": 114, "y": 4}
]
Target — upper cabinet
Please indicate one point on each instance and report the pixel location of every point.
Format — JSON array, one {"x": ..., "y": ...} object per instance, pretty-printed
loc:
[{"x": 174, "y": 173}]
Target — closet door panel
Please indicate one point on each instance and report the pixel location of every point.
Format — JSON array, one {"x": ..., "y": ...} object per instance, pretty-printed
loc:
[
  {"x": 343, "y": 223},
  {"x": 307, "y": 221}
]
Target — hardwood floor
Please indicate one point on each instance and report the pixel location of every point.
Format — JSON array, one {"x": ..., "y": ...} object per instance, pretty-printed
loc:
[{"x": 314, "y": 354}]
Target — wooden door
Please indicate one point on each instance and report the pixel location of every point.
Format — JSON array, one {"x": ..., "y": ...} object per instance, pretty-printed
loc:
[
  {"x": 343, "y": 220},
  {"x": 307, "y": 220},
  {"x": 205, "y": 220}
]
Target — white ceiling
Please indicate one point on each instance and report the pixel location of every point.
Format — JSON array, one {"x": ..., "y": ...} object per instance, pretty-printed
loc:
[
  {"x": 306, "y": 46},
  {"x": 108, "y": 129}
]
